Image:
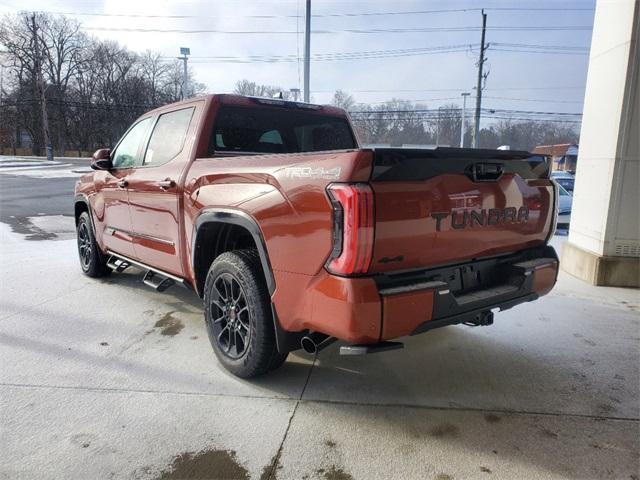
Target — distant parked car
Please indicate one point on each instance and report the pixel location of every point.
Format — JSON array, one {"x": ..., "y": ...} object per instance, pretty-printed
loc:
[
  {"x": 564, "y": 179},
  {"x": 564, "y": 206}
]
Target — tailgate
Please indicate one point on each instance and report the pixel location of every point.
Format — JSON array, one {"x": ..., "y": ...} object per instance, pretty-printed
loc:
[{"x": 450, "y": 205}]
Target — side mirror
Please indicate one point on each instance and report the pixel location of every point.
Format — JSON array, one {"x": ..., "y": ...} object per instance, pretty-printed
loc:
[{"x": 101, "y": 159}]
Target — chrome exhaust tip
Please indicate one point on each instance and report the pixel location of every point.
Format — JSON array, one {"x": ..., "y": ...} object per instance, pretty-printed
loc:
[{"x": 315, "y": 342}]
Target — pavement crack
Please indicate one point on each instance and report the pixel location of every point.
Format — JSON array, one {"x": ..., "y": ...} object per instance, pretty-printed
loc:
[
  {"x": 276, "y": 459},
  {"x": 474, "y": 410},
  {"x": 299, "y": 400}
]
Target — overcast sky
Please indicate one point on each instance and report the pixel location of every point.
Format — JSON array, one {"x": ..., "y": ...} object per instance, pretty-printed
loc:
[{"x": 524, "y": 80}]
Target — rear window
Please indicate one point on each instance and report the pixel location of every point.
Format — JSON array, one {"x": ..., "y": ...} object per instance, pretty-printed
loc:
[{"x": 276, "y": 130}]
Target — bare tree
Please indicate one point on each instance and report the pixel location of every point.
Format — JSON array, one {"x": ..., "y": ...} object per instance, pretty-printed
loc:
[
  {"x": 252, "y": 89},
  {"x": 343, "y": 100},
  {"x": 447, "y": 124},
  {"x": 155, "y": 71}
]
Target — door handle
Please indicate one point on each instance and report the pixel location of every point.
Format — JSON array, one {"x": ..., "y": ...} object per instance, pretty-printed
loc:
[
  {"x": 166, "y": 184},
  {"x": 123, "y": 183}
]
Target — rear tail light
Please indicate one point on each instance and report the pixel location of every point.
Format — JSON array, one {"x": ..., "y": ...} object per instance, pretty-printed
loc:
[
  {"x": 556, "y": 207},
  {"x": 353, "y": 225}
]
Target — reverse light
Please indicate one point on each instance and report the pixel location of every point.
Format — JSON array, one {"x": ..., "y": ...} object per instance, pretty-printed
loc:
[{"x": 353, "y": 228}]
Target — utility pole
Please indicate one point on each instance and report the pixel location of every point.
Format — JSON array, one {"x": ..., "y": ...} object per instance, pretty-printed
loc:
[
  {"x": 476, "y": 126},
  {"x": 41, "y": 90},
  {"x": 464, "y": 117},
  {"x": 438, "y": 126},
  {"x": 184, "y": 93},
  {"x": 307, "y": 52}
]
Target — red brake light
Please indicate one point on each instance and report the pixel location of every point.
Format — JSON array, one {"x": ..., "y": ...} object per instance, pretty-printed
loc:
[{"x": 353, "y": 228}]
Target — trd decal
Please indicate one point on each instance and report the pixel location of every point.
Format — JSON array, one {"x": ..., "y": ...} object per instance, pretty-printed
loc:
[
  {"x": 319, "y": 173},
  {"x": 481, "y": 218}
]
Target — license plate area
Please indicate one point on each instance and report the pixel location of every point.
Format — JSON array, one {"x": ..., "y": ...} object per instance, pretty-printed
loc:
[{"x": 470, "y": 277}]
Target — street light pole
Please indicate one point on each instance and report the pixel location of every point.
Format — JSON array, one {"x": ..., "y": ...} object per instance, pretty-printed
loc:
[
  {"x": 307, "y": 52},
  {"x": 184, "y": 51},
  {"x": 464, "y": 118}
]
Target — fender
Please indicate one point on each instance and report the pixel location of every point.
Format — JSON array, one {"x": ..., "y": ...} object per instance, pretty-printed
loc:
[
  {"x": 242, "y": 219},
  {"x": 82, "y": 198},
  {"x": 285, "y": 341}
]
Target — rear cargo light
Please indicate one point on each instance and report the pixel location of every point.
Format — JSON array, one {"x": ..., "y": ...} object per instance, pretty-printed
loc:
[{"x": 353, "y": 225}]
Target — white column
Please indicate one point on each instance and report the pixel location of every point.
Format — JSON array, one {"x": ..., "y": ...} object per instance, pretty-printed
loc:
[{"x": 604, "y": 238}]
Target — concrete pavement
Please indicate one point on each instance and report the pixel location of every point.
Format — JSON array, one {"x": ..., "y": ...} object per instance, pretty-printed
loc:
[{"x": 108, "y": 379}]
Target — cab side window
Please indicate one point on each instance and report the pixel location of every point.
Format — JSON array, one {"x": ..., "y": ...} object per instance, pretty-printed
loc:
[
  {"x": 126, "y": 154},
  {"x": 167, "y": 139}
]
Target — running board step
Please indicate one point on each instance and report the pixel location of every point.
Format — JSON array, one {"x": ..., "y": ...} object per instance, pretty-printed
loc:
[
  {"x": 372, "y": 348},
  {"x": 117, "y": 264},
  {"x": 157, "y": 281}
]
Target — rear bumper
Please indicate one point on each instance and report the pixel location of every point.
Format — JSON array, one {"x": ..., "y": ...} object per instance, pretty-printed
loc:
[
  {"x": 370, "y": 309},
  {"x": 513, "y": 280}
]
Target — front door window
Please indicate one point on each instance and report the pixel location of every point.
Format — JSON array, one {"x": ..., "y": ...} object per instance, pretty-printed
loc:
[{"x": 126, "y": 154}]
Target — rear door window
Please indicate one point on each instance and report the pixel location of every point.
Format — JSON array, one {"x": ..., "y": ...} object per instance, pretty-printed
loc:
[
  {"x": 278, "y": 130},
  {"x": 167, "y": 139}
]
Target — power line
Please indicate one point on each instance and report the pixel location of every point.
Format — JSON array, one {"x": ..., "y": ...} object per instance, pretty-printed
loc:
[
  {"x": 492, "y": 111},
  {"x": 455, "y": 89},
  {"x": 526, "y": 45},
  {"x": 538, "y": 28},
  {"x": 335, "y": 55},
  {"x": 537, "y": 100},
  {"x": 315, "y": 15},
  {"x": 414, "y": 101},
  {"x": 531, "y": 112},
  {"x": 533, "y": 100},
  {"x": 332, "y": 56},
  {"x": 418, "y": 49},
  {"x": 549, "y": 52}
]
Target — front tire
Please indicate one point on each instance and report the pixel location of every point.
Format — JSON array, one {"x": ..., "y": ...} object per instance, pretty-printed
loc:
[
  {"x": 238, "y": 315},
  {"x": 92, "y": 261}
]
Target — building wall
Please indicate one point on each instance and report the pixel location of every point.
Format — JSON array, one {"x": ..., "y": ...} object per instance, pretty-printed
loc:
[{"x": 605, "y": 216}]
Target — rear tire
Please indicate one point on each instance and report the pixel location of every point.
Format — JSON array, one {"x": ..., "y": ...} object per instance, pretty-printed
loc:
[
  {"x": 238, "y": 315},
  {"x": 92, "y": 261}
]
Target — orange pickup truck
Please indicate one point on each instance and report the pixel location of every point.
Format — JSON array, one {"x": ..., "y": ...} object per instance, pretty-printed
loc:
[{"x": 294, "y": 236}]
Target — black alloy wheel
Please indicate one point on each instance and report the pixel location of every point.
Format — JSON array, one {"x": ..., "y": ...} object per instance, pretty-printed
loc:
[
  {"x": 84, "y": 245},
  {"x": 92, "y": 261},
  {"x": 231, "y": 316},
  {"x": 238, "y": 315}
]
